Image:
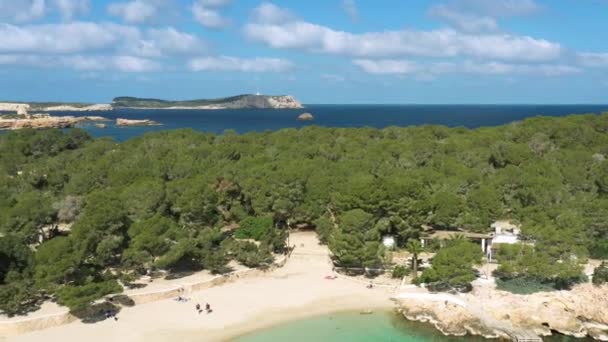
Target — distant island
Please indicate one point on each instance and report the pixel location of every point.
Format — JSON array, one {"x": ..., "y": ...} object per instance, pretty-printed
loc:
[{"x": 235, "y": 102}]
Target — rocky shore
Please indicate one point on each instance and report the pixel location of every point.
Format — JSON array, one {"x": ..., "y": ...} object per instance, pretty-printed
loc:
[
  {"x": 491, "y": 313},
  {"x": 52, "y": 107},
  {"x": 88, "y": 108},
  {"x": 40, "y": 121}
]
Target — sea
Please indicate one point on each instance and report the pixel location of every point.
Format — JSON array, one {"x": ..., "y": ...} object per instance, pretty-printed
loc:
[
  {"x": 378, "y": 116},
  {"x": 353, "y": 327}
]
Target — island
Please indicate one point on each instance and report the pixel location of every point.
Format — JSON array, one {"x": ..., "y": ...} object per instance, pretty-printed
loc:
[
  {"x": 234, "y": 102},
  {"x": 246, "y": 101},
  {"x": 306, "y": 117},
  {"x": 127, "y": 122}
]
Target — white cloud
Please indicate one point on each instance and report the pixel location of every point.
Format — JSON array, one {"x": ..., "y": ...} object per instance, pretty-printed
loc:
[
  {"x": 167, "y": 41},
  {"x": 269, "y": 13},
  {"x": 497, "y": 8},
  {"x": 209, "y": 18},
  {"x": 21, "y": 10},
  {"x": 139, "y": 11},
  {"x": 463, "y": 21},
  {"x": 88, "y": 37},
  {"x": 388, "y": 66},
  {"x": 70, "y": 8},
  {"x": 94, "y": 46},
  {"x": 273, "y": 27},
  {"x": 207, "y": 13},
  {"x": 406, "y": 67},
  {"x": 593, "y": 59},
  {"x": 84, "y": 63},
  {"x": 350, "y": 7},
  {"x": 480, "y": 15},
  {"x": 226, "y": 63},
  {"x": 51, "y": 38}
]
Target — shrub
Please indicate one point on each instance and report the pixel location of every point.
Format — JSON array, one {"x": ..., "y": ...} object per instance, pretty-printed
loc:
[
  {"x": 523, "y": 285},
  {"x": 600, "y": 274},
  {"x": 256, "y": 228},
  {"x": 78, "y": 298},
  {"x": 400, "y": 271},
  {"x": 250, "y": 255}
]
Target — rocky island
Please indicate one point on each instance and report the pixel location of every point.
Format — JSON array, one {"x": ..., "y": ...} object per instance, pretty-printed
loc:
[
  {"x": 234, "y": 102},
  {"x": 127, "y": 122},
  {"x": 246, "y": 101}
]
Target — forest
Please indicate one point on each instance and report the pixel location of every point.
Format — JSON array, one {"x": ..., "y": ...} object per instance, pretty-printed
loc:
[{"x": 81, "y": 218}]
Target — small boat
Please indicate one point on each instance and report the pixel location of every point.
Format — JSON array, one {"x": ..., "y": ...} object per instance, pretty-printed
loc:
[{"x": 366, "y": 312}]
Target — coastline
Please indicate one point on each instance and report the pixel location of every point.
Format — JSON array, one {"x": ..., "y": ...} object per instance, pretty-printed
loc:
[
  {"x": 295, "y": 291},
  {"x": 275, "y": 318}
]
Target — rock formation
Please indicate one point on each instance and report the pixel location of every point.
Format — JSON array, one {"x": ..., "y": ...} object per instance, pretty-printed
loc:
[
  {"x": 22, "y": 111},
  {"x": 74, "y": 108},
  {"x": 39, "y": 121},
  {"x": 581, "y": 312},
  {"x": 23, "y": 108},
  {"x": 127, "y": 122},
  {"x": 306, "y": 117},
  {"x": 20, "y": 108}
]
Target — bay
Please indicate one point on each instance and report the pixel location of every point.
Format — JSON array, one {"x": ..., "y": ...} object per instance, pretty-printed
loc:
[
  {"x": 378, "y": 116},
  {"x": 354, "y": 327}
]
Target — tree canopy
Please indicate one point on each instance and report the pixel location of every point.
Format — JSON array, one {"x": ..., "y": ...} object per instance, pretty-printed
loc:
[{"x": 162, "y": 200}]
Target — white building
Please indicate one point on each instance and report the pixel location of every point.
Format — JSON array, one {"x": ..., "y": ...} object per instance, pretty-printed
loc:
[
  {"x": 388, "y": 241},
  {"x": 505, "y": 232}
]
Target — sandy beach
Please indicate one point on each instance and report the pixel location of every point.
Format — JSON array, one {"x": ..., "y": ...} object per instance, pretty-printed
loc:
[{"x": 295, "y": 291}]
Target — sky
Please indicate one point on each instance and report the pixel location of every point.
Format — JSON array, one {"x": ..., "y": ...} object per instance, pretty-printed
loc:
[{"x": 320, "y": 51}]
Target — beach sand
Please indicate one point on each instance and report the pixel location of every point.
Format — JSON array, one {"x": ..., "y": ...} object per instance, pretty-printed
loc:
[{"x": 295, "y": 291}]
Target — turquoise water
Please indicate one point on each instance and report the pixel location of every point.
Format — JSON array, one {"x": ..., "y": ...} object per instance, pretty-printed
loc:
[{"x": 354, "y": 327}]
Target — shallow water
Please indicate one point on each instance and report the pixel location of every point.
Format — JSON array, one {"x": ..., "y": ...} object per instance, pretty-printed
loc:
[{"x": 354, "y": 327}]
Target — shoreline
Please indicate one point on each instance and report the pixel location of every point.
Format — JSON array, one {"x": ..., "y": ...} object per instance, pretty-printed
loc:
[
  {"x": 301, "y": 290},
  {"x": 297, "y": 290},
  {"x": 294, "y": 314}
]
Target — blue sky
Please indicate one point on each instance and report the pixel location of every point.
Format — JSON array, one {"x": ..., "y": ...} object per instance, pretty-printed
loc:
[{"x": 321, "y": 51}]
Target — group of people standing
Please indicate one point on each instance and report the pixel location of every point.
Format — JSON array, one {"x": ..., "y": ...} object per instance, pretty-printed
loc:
[{"x": 207, "y": 308}]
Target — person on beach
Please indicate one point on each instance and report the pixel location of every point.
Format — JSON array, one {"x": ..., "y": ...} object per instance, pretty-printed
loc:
[
  {"x": 208, "y": 308},
  {"x": 198, "y": 308}
]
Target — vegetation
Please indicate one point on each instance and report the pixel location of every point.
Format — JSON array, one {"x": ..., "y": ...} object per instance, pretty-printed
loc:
[
  {"x": 163, "y": 199},
  {"x": 400, "y": 271},
  {"x": 600, "y": 274},
  {"x": 539, "y": 267},
  {"x": 415, "y": 248},
  {"x": 452, "y": 267}
]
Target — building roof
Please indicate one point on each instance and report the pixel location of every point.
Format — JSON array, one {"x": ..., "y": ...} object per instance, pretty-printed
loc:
[{"x": 448, "y": 234}]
